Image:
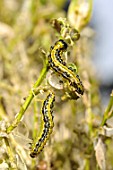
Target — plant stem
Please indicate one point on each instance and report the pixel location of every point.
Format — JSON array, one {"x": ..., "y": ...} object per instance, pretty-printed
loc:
[
  {"x": 35, "y": 120},
  {"x": 10, "y": 154},
  {"x": 108, "y": 113},
  {"x": 28, "y": 99}
]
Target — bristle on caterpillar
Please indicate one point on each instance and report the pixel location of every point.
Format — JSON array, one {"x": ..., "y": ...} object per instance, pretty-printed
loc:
[{"x": 48, "y": 125}]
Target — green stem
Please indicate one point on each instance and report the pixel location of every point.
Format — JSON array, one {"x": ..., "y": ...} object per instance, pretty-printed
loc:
[
  {"x": 12, "y": 163},
  {"x": 35, "y": 120},
  {"x": 87, "y": 164},
  {"x": 28, "y": 99},
  {"x": 108, "y": 113}
]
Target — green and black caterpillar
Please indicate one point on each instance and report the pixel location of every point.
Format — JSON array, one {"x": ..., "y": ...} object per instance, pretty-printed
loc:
[
  {"x": 73, "y": 83},
  {"x": 47, "y": 125}
]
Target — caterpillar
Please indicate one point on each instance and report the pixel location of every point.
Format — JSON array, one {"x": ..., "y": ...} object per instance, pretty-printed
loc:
[
  {"x": 47, "y": 126},
  {"x": 74, "y": 85}
]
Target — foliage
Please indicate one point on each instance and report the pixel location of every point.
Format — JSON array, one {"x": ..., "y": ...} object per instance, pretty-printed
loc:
[{"x": 81, "y": 137}]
